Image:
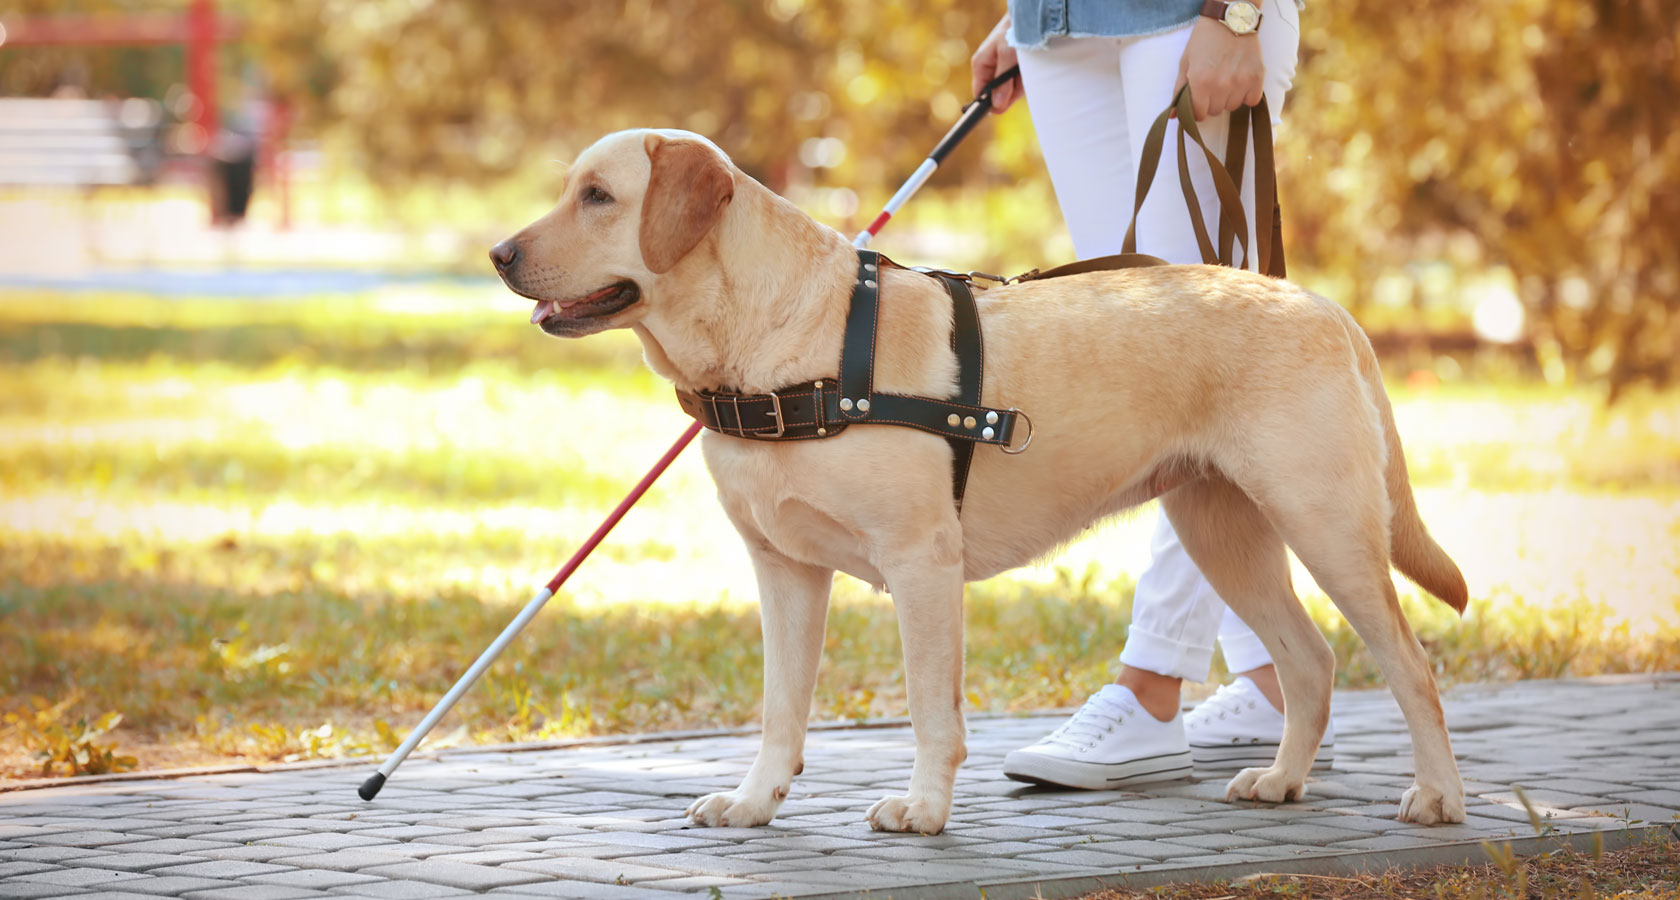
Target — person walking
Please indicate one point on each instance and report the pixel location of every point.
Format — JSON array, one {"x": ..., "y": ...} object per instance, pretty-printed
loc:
[{"x": 1098, "y": 74}]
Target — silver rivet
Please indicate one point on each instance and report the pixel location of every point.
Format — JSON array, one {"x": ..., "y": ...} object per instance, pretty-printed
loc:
[
  {"x": 986, "y": 433},
  {"x": 863, "y": 406},
  {"x": 869, "y": 267},
  {"x": 952, "y": 420},
  {"x": 846, "y": 403},
  {"x": 968, "y": 422},
  {"x": 819, "y": 385},
  {"x": 991, "y": 418},
  {"x": 869, "y": 282},
  {"x": 822, "y": 432}
]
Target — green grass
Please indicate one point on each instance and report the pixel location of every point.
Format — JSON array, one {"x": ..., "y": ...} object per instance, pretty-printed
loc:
[{"x": 281, "y": 529}]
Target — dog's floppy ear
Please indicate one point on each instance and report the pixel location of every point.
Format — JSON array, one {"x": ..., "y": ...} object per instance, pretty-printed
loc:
[{"x": 685, "y": 198}]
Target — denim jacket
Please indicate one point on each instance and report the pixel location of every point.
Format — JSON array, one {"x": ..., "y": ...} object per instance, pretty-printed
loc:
[{"x": 1034, "y": 22}]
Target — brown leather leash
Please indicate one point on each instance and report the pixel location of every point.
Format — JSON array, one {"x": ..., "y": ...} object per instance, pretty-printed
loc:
[{"x": 823, "y": 408}]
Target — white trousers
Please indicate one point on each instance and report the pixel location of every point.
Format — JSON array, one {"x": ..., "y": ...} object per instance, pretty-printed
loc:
[{"x": 1092, "y": 101}]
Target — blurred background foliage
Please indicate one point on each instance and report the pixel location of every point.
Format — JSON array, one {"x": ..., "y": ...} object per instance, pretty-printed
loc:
[{"x": 1434, "y": 152}]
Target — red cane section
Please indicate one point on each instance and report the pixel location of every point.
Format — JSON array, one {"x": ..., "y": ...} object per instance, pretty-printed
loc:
[
  {"x": 623, "y": 507},
  {"x": 875, "y": 226}
]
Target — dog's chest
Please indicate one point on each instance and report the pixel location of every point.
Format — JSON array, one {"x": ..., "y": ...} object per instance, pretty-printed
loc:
[{"x": 777, "y": 507}]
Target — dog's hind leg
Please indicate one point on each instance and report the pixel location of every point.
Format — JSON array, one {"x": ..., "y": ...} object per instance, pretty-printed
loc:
[
  {"x": 927, "y": 589},
  {"x": 1243, "y": 558},
  {"x": 1338, "y": 528},
  {"x": 793, "y": 604}
]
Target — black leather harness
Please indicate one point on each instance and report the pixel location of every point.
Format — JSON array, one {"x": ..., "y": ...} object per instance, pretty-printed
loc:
[{"x": 823, "y": 408}]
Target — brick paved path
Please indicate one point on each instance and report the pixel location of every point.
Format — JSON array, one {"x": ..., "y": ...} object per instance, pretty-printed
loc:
[{"x": 606, "y": 821}]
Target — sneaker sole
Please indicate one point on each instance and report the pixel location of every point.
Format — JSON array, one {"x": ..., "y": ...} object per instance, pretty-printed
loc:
[
  {"x": 1229, "y": 757},
  {"x": 1034, "y": 768}
]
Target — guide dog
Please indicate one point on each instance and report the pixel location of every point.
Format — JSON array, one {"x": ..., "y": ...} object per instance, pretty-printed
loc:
[{"x": 1252, "y": 408}]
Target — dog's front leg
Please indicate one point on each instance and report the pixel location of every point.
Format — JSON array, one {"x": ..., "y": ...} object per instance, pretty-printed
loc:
[
  {"x": 928, "y": 598},
  {"x": 793, "y": 604}
]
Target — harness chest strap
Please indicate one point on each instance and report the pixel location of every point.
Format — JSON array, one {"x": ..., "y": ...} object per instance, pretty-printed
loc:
[{"x": 823, "y": 408}]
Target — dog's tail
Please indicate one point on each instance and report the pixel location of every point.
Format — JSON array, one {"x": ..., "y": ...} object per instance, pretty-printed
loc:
[{"x": 1411, "y": 548}]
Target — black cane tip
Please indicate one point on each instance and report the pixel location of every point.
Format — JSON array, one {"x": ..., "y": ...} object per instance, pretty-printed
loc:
[{"x": 370, "y": 788}]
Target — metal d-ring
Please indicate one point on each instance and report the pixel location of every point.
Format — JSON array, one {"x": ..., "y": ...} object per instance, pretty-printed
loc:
[{"x": 1023, "y": 447}]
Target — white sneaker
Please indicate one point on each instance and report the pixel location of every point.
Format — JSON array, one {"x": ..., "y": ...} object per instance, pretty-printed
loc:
[
  {"x": 1110, "y": 742},
  {"x": 1239, "y": 728}
]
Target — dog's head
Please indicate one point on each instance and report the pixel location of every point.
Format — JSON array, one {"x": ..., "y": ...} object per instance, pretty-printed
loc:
[{"x": 634, "y": 205}]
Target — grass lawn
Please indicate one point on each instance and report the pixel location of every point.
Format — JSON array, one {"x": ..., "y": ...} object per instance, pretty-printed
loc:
[{"x": 268, "y": 530}]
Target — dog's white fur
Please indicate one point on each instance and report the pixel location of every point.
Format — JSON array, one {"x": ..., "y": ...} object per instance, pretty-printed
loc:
[{"x": 1252, "y": 408}]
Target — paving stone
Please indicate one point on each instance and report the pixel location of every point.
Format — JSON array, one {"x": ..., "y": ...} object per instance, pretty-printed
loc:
[
  {"x": 345, "y": 860},
  {"x": 700, "y": 864},
  {"x": 176, "y": 846},
  {"x": 409, "y": 832},
  {"x": 139, "y": 862},
  {"x": 313, "y": 878},
  {"x": 1145, "y": 849},
  {"x": 74, "y": 877},
  {"x": 1138, "y": 831},
  {"x": 82, "y": 838},
  {"x": 1093, "y": 858},
  {"x": 103, "y": 893},
  {"x": 254, "y": 853},
  {"x": 405, "y": 890},
  {"x": 582, "y": 890},
  {"x": 248, "y": 835},
  {"x": 1219, "y": 841},
  {"x": 414, "y": 849},
  {"x": 24, "y": 868},
  {"x": 49, "y": 854},
  {"x": 221, "y": 868},
  {"x": 174, "y": 885},
  {"x": 20, "y": 890},
  {"x": 1304, "y": 834},
  {"x": 255, "y": 892},
  {"x": 461, "y": 875},
  {"x": 1386, "y": 842},
  {"x": 328, "y": 840}
]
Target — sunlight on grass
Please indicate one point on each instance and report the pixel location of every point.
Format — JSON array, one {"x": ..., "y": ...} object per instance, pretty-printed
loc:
[{"x": 281, "y": 529}]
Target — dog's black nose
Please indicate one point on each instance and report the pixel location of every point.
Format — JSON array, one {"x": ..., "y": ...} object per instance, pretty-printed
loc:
[{"x": 504, "y": 254}]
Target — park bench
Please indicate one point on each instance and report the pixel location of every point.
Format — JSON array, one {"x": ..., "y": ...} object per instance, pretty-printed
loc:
[{"x": 61, "y": 142}]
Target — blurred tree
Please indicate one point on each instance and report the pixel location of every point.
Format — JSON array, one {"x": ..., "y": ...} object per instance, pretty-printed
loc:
[
  {"x": 1539, "y": 133},
  {"x": 472, "y": 88}
]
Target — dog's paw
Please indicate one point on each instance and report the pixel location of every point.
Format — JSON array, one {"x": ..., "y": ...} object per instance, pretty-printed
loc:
[
  {"x": 1268, "y": 785},
  {"x": 732, "y": 809},
  {"x": 905, "y": 815},
  {"x": 1425, "y": 805}
]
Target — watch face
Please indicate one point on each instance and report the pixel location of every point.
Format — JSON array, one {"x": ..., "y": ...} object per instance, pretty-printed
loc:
[{"x": 1242, "y": 17}]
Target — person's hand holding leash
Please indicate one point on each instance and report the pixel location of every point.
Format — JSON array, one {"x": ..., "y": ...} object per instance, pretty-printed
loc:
[
  {"x": 993, "y": 57},
  {"x": 1224, "y": 69}
]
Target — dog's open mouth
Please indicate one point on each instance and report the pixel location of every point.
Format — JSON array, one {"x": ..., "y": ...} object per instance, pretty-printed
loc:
[{"x": 603, "y": 302}]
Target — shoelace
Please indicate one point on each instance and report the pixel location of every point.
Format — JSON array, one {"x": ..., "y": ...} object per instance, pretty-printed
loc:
[
  {"x": 1096, "y": 718},
  {"x": 1225, "y": 700}
]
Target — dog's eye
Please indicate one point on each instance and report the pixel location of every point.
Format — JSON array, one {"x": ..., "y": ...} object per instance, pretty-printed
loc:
[{"x": 596, "y": 196}]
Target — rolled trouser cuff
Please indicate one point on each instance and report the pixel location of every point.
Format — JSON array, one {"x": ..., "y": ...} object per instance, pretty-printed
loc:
[{"x": 1166, "y": 656}]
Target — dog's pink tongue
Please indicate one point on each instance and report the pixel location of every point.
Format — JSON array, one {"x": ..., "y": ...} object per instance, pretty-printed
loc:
[{"x": 541, "y": 312}]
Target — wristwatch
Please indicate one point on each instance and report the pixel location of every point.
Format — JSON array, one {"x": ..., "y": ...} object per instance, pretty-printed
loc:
[{"x": 1241, "y": 16}]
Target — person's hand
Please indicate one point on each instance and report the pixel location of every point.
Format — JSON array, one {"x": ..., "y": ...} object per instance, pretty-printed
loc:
[
  {"x": 1224, "y": 69},
  {"x": 993, "y": 56}
]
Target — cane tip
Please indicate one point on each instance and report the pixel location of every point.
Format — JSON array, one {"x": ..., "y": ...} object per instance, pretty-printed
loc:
[{"x": 370, "y": 788}]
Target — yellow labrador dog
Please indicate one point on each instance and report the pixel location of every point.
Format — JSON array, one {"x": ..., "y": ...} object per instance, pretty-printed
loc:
[{"x": 1251, "y": 407}]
